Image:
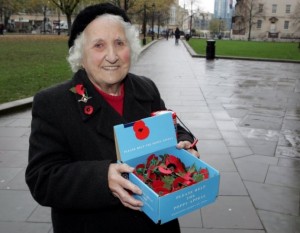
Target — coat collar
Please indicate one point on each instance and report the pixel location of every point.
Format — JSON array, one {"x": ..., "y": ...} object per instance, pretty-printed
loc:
[{"x": 97, "y": 110}]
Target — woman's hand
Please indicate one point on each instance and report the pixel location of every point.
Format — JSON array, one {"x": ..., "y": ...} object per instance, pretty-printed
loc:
[
  {"x": 121, "y": 187},
  {"x": 187, "y": 146}
]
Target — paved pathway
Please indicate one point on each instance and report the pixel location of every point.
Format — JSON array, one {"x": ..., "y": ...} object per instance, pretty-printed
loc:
[{"x": 246, "y": 115}]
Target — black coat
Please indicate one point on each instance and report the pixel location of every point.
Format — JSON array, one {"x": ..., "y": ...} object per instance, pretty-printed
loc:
[
  {"x": 70, "y": 152},
  {"x": 177, "y": 33}
]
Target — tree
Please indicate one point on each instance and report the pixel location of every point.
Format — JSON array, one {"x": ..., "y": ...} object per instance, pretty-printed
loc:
[
  {"x": 296, "y": 21},
  {"x": 67, "y": 7},
  {"x": 135, "y": 10},
  {"x": 71, "y": 7},
  {"x": 36, "y": 6},
  {"x": 7, "y": 8},
  {"x": 247, "y": 11},
  {"x": 216, "y": 26}
]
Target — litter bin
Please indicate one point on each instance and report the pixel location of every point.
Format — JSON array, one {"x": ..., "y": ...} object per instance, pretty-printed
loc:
[
  {"x": 210, "y": 49},
  {"x": 187, "y": 37}
]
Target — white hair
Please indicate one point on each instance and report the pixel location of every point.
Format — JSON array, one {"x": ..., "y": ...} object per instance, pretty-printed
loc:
[{"x": 132, "y": 35}]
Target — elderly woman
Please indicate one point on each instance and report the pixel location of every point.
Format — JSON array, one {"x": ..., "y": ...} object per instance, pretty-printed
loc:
[{"x": 72, "y": 159}]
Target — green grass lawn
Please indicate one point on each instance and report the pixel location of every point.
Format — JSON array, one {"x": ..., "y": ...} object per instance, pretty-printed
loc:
[
  {"x": 252, "y": 49},
  {"x": 31, "y": 63}
]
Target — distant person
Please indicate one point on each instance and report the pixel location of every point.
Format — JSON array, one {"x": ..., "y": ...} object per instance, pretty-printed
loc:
[
  {"x": 172, "y": 33},
  {"x": 177, "y": 35},
  {"x": 1, "y": 29},
  {"x": 73, "y": 164},
  {"x": 167, "y": 34}
]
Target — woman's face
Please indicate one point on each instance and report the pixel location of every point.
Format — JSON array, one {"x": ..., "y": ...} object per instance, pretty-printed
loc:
[{"x": 106, "y": 54}]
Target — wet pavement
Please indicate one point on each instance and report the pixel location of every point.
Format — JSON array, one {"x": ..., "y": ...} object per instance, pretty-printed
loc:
[{"x": 246, "y": 115}]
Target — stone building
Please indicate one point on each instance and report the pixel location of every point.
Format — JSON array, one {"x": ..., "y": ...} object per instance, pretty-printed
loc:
[
  {"x": 37, "y": 23},
  {"x": 266, "y": 20}
]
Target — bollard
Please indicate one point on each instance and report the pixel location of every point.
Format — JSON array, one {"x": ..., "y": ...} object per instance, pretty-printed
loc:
[{"x": 210, "y": 49}]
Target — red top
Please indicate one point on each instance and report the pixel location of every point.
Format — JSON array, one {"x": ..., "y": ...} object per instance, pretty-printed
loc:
[{"x": 115, "y": 101}]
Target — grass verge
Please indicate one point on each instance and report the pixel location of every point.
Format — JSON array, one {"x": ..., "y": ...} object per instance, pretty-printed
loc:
[
  {"x": 31, "y": 63},
  {"x": 251, "y": 49}
]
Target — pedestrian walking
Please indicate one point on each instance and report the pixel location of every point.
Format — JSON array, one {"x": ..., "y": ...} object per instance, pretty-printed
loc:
[
  {"x": 177, "y": 35},
  {"x": 1, "y": 29}
]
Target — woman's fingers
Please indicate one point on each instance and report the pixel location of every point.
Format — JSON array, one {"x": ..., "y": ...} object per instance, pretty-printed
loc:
[{"x": 123, "y": 188}]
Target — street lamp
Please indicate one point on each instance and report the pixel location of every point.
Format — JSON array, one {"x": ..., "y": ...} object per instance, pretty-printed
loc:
[
  {"x": 125, "y": 5},
  {"x": 45, "y": 18},
  {"x": 58, "y": 31},
  {"x": 192, "y": 1},
  {"x": 158, "y": 24},
  {"x": 220, "y": 21},
  {"x": 144, "y": 25},
  {"x": 191, "y": 25},
  {"x": 45, "y": 8},
  {"x": 153, "y": 10}
]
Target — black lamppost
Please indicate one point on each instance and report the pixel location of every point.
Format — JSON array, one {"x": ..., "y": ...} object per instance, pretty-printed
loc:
[
  {"x": 45, "y": 9},
  {"x": 144, "y": 25},
  {"x": 58, "y": 31},
  {"x": 45, "y": 19},
  {"x": 220, "y": 21},
  {"x": 125, "y": 5},
  {"x": 153, "y": 10},
  {"x": 191, "y": 18},
  {"x": 158, "y": 24},
  {"x": 191, "y": 25}
]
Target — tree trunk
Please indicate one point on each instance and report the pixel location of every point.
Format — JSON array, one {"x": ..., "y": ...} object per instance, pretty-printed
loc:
[{"x": 69, "y": 20}]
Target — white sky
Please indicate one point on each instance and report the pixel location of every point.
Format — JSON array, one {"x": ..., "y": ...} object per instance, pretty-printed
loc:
[{"x": 206, "y": 5}]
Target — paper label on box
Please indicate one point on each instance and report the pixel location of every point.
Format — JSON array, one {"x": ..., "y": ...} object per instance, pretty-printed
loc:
[{"x": 144, "y": 136}]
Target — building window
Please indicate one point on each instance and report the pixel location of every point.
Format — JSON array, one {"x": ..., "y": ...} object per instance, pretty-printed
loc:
[
  {"x": 274, "y": 8},
  {"x": 172, "y": 16},
  {"x": 286, "y": 25},
  {"x": 260, "y": 8},
  {"x": 259, "y": 23},
  {"x": 287, "y": 9}
]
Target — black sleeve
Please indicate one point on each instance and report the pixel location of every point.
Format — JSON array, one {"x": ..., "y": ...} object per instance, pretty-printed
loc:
[{"x": 53, "y": 178}]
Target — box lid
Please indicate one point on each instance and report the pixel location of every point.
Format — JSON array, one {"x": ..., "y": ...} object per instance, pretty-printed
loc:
[{"x": 144, "y": 136}]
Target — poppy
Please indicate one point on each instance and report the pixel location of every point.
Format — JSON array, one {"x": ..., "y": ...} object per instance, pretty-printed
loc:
[
  {"x": 166, "y": 173},
  {"x": 88, "y": 110}
]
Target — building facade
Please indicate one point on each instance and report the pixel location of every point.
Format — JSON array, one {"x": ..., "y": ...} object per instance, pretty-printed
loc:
[
  {"x": 224, "y": 10},
  {"x": 266, "y": 20},
  {"x": 178, "y": 17}
]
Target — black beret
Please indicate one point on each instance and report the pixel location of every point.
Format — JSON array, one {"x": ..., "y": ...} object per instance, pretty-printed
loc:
[{"x": 88, "y": 14}]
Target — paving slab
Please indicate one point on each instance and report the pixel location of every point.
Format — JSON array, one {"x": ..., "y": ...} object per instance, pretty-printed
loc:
[
  {"x": 16, "y": 205},
  {"x": 274, "y": 198},
  {"x": 13, "y": 159},
  {"x": 231, "y": 213},
  {"x": 284, "y": 176},
  {"x": 24, "y": 227},
  {"x": 231, "y": 184},
  {"x": 279, "y": 223},
  {"x": 41, "y": 214},
  {"x": 246, "y": 116},
  {"x": 252, "y": 171}
]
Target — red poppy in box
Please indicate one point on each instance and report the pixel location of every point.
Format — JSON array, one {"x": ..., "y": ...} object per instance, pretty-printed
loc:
[{"x": 167, "y": 173}]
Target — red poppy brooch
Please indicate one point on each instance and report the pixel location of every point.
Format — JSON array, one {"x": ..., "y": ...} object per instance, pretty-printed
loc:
[
  {"x": 81, "y": 90},
  {"x": 166, "y": 173}
]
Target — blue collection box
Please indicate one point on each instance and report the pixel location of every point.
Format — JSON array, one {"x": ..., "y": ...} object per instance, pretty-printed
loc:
[{"x": 136, "y": 141}]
